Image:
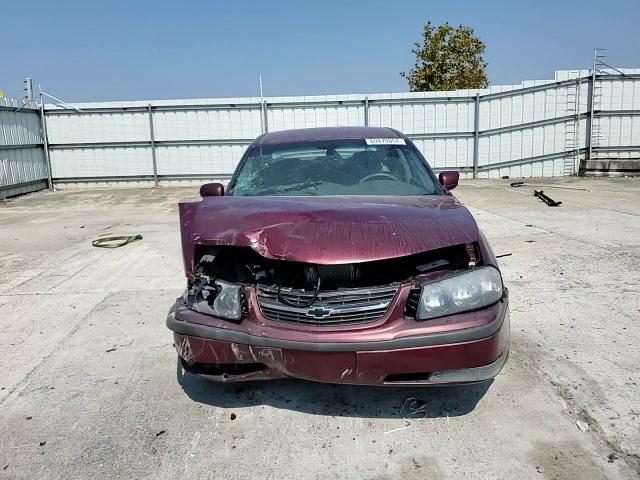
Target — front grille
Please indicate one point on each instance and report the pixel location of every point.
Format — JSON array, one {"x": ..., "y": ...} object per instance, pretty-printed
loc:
[{"x": 344, "y": 306}]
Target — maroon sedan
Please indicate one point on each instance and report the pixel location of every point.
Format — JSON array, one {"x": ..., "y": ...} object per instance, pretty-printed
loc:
[{"x": 336, "y": 255}]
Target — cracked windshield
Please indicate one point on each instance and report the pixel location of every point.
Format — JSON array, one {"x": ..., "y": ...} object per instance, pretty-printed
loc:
[{"x": 336, "y": 167}]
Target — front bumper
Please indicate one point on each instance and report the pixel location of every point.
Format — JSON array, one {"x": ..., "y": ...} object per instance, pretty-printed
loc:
[{"x": 226, "y": 352}]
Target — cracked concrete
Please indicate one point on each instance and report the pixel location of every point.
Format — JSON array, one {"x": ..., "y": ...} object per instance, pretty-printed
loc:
[{"x": 90, "y": 378}]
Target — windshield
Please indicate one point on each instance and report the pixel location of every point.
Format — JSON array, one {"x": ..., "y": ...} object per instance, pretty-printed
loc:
[{"x": 334, "y": 167}]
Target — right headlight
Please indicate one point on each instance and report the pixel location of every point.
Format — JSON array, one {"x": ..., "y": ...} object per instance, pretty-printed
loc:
[
  {"x": 216, "y": 298},
  {"x": 471, "y": 290}
]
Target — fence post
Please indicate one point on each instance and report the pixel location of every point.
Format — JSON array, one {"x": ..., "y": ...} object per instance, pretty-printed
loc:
[
  {"x": 45, "y": 145},
  {"x": 29, "y": 89},
  {"x": 265, "y": 118},
  {"x": 153, "y": 147},
  {"x": 476, "y": 134},
  {"x": 366, "y": 111},
  {"x": 590, "y": 102}
]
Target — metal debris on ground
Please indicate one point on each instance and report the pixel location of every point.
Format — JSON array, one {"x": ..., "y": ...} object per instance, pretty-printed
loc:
[
  {"x": 545, "y": 198},
  {"x": 547, "y": 185},
  {"x": 407, "y": 425},
  {"x": 504, "y": 255},
  {"x": 583, "y": 426},
  {"x": 413, "y": 408},
  {"x": 115, "y": 242}
]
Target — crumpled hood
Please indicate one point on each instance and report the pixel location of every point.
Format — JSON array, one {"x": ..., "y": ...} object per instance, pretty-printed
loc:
[{"x": 327, "y": 230}]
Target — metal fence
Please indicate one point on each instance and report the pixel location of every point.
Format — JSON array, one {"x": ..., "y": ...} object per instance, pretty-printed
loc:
[
  {"x": 536, "y": 129},
  {"x": 23, "y": 167}
]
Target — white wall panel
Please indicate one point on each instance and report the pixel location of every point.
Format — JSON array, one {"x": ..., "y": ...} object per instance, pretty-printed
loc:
[
  {"x": 445, "y": 153},
  {"x": 441, "y": 124},
  {"x": 631, "y": 153},
  {"x": 618, "y": 130},
  {"x": 98, "y": 127},
  {"x": 286, "y": 118},
  {"x": 414, "y": 118},
  {"x": 519, "y": 144},
  {"x": 199, "y": 160},
  {"x": 101, "y": 162},
  {"x": 206, "y": 124}
]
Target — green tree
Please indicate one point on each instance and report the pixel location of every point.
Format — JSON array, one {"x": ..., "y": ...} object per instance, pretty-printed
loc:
[{"x": 448, "y": 58}]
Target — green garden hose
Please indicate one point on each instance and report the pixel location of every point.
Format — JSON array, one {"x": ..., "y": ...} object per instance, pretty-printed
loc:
[{"x": 115, "y": 242}]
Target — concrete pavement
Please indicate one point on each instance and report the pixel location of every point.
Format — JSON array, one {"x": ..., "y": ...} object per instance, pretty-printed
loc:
[{"x": 90, "y": 387}]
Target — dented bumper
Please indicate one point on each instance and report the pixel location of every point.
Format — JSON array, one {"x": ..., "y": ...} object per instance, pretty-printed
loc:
[{"x": 462, "y": 348}]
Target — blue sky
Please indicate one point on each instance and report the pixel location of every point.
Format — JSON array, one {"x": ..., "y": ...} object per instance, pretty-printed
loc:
[{"x": 85, "y": 50}]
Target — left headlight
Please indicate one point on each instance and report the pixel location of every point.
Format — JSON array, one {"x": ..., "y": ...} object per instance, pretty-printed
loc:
[
  {"x": 471, "y": 290},
  {"x": 219, "y": 299}
]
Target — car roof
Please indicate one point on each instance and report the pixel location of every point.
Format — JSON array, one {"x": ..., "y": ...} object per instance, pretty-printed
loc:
[{"x": 326, "y": 133}]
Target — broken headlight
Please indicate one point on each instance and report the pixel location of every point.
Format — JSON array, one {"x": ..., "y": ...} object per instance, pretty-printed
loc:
[
  {"x": 471, "y": 290},
  {"x": 215, "y": 297}
]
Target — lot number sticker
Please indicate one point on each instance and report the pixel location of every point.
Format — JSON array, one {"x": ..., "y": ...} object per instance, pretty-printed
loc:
[{"x": 385, "y": 141}]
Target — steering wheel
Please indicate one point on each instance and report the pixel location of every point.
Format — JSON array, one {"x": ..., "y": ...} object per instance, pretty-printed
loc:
[{"x": 379, "y": 174}]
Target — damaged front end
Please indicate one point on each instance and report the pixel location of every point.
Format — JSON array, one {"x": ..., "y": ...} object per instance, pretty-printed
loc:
[
  {"x": 312, "y": 294},
  {"x": 364, "y": 291},
  {"x": 296, "y": 304}
]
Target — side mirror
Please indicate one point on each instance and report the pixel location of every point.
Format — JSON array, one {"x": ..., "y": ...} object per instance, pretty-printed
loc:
[
  {"x": 449, "y": 179},
  {"x": 212, "y": 190}
]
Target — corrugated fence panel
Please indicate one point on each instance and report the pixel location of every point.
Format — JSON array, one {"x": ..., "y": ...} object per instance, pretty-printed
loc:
[
  {"x": 20, "y": 166},
  {"x": 418, "y": 118},
  {"x": 301, "y": 116},
  {"x": 429, "y": 118},
  {"x": 218, "y": 124},
  {"x": 617, "y": 135},
  {"x": 101, "y": 162},
  {"x": 618, "y": 94},
  {"x": 520, "y": 144},
  {"x": 231, "y": 129},
  {"x": 538, "y": 128},
  {"x": 22, "y": 162},
  {"x": 216, "y": 161},
  {"x": 447, "y": 153},
  {"x": 65, "y": 128},
  {"x": 619, "y": 130},
  {"x": 19, "y": 128}
]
